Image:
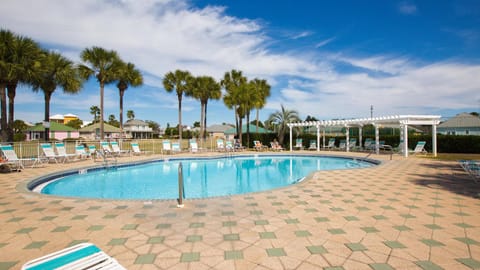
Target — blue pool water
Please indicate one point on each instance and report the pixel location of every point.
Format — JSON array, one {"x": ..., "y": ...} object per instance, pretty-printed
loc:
[{"x": 202, "y": 177}]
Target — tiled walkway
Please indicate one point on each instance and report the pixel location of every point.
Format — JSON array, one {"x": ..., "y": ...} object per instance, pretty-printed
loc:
[{"x": 412, "y": 213}]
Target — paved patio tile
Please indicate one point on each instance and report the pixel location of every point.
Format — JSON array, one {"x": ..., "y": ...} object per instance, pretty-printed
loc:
[
  {"x": 190, "y": 257},
  {"x": 8, "y": 265},
  {"x": 316, "y": 249},
  {"x": 394, "y": 244},
  {"x": 472, "y": 263},
  {"x": 276, "y": 252},
  {"x": 356, "y": 246},
  {"x": 145, "y": 259},
  {"x": 117, "y": 241},
  {"x": 381, "y": 266},
  {"x": 267, "y": 235},
  {"x": 428, "y": 265},
  {"x": 233, "y": 255},
  {"x": 431, "y": 242}
]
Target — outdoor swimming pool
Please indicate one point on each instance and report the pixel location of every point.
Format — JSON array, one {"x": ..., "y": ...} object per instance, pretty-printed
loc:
[{"x": 203, "y": 177}]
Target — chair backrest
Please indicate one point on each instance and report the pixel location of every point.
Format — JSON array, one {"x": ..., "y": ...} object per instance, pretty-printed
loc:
[
  {"x": 193, "y": 145},
  {"x": 331, "y": 142},
  {"x": 60, "y": 149},
  {"x": 298, "y": 142},
  {"x": 176, "y": 146},
  {"x": 419, "y": 147},
  {"x": 229, "y": 145},
  {"x": 115, "y": 147},
  {"x": 80, "y": 150},
  {"x": 368, "y": 142},
  {"x": 105, "y": 146},
  {"x": 9, "y": 152},
  {"x": 92, "y": 149},
  {"x": 313, "y": 144},
  {"x": 220, "y": 144},
  {"x": 343, "y": 144},
  {"x": 166, "y": 145},
  {"x": 48, "y": 150},
  {"x": 135, "y": 147}
]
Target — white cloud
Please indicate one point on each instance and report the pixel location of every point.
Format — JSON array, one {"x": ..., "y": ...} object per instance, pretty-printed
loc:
[
  {"x": 324, "y": 42},
  {"x": 407, "y": 8}
]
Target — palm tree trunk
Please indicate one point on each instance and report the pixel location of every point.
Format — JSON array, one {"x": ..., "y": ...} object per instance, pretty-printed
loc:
[
  {"x": 239, "y": 132},
  {"x": 248, "y": 128},
  {"x": 47, "y": 97},
  {"x": 180, "y": 120},
  {"x": 3, "y": 103},
  {"x": 102, "y": 134},
  {"x": 11, "y": 87},
  {"x": 256, "y": 118},
  {"x": 205, "y": 122},
  {"x": 121, "y": 92},
  {"x": 202, "y": 115}
]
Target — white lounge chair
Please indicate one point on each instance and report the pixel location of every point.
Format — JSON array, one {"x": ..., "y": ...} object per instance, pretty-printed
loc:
[
  {"x": 176, "y": 147},
  {"x": 62, "y": 152},
  {"x": 193, "y": 146},
  {"x": 116, "y": 149},
  {"x": 167, "y": 147},
  {"x": 419, "y": 148},
  {"x": 13, "y": 160},
  {"x": 81, "y": 152},
  {"x": 298, "y": 144},
  {"x": 136, "y": 149},
  {"x": 313, "y": 145},
  {"x": 81, "y": 256},
  {"x": 331, "y": 144},
  {"x": 472, "y": 167},
  {"x": 49, "y": 153},
  {"x": 220, "y": 145},
  {"x": 229, "y": 146},
  {"x": 106, "y": 148}
]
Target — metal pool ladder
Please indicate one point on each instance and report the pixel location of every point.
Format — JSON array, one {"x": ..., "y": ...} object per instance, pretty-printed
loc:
[{"x": 109, "y": 160}]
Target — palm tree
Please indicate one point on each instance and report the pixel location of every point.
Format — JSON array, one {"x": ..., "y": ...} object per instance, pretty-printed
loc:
[
  {"x": 204, "y": 88},
  {"x": 95, "y": 111},
  {"x": 178, "y": 80},
  {"x": 263, "y": 90},
  {"x": 234, "y": 83},
  {"x": 20, "y": 63},
  {"x": 280, "y": 119},
  {"x": 57, "y": 71},
  {"x": 128, "y": 75},
  {"x": 130, "y": 114},
  {"x": 104, "y": 66}
]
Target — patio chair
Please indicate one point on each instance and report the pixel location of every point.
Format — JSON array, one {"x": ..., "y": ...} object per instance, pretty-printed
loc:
[
  {"x": 92, "y": 151},
  {"x": 193, "y": 145},
  {"x": 258, "y": 146},
  {"x": 229, "y": 146},
  {"x": 352, "y": 144},
  {"x": 419, "y": 148},
  {"x": 116, "y": 149},
  {"x": 81, "y": 256},
  {"x": 313, "y": 145},
  {"x": 238, "y": 146},
  {"x": 331, "y": 144},
  {"x": 136, "y": 149},
  {"x": 176, "y": 147},
  {"x": 342, "y": 145},
  {"x": 62, "y": 152},
  {"x": 298, "y": 144},
  {"x": 472, "y": 167},
  {"x": 167, "y": 146},
  {"x": 275, "y": 146},
  {"x": 106, "y": 148},
  {"x": 220, "y": 145},
  {"x": 369, "y": 144},
  {"x": 81, "y": 152},
  {"x": 12, "y": 159},
  {"x": 49, "y": 153}
]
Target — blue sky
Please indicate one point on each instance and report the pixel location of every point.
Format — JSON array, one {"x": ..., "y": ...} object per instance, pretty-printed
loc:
[{"x": 328, "y": 59}]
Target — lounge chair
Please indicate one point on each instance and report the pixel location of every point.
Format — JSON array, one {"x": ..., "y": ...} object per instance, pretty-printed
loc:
[
  {"x": 12, "y": 159},
  {"x": 229, "y": 146},
  {"x": 472, "y": 167},
  {"x": 81, "y": 152},
  {"x": 331, "y": 144},
  {"x": 342, "y": 145},
  {"x": 136, "y": 149},
  {"x": 275, "y": 146},
  {"x": 220, "y": 145},
  {"x": 106, "y": 148},
  {"x": 193, "y": 145},
  {"x": 313, "y": 145},
  {"x": 298, "y": 144},
  {"x": 258, "y": 146},
  {"x": 352, "y": 144},
  {"x": 419, "y": 148},
  {"x": 49, "y": 153},
  {"x": 81, "y": 256},
  {"x": 238, "y": 146},
  {"x": 176, "y": 147},
  {"x": 92, "y": 150},
  {"x": 369, "y": 144},
  {"x": 62, "y": 152},
  {"x": 116, "y": 149},
  {"x": 167, "y": 146}
]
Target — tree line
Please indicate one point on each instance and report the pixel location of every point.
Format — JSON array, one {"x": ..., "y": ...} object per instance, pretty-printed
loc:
[{"x": 24, "y": 61}]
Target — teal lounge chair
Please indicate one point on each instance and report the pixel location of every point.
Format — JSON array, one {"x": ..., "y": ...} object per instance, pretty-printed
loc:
[
  {"x": 313, "y": 145},
  {"x": 298, "y": 144},
  {"x": 419, "y": 148},
  {"x": 12, "y": 159},
  {"x": 167, "y": 146},
  {"x": 81, "y": 256}
]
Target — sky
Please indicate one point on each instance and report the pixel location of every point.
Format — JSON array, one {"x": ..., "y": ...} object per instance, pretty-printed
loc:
[{"x": 327, "y": 59}]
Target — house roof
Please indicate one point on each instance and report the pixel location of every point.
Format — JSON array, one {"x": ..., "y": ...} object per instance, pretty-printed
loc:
[
  {"x": 253, "y": 129},
  {"x": 135, "y": 122},
  {"x": 57, "y": 117},
  {"x": 54, "y": 126},
  {"x": 218, "y": 128},
  {"x": 461, "y": 120},
  {"x": 71, "y": 115},
  {"x": 106, "y": 128}
]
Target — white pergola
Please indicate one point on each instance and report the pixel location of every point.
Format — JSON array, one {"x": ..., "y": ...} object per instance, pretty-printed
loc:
[{"x": 396, "y": 121}]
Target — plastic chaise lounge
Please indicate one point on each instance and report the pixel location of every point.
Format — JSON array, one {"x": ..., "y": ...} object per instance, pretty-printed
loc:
[
  {"x": 13, "y": 160},
  {"x": 50, "y": 154},
  {"x": 78, "y": 257},
  {"x": 419, "y": 148},
  {"x": 62, "y": 152},
  {"x": 472, "y": 167}
]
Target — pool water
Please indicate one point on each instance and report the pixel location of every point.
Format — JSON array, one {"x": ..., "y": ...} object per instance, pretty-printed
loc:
[{"x": 202, "y": 177}]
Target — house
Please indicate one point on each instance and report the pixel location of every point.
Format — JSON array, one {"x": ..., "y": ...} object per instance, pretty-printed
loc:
[
  {"x": 461, "y": 124},
  {"x": 69, "y": 117},
  {"x": 92, "y": 132},
  {"x": 218, "y": 131},
  {"x": 232, "y": 132},
  {"x": 57, "y": 132},
  {"x": 137, "y": 129}
]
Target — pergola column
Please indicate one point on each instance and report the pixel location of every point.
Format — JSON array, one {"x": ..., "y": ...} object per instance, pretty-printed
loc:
[
  {"x": 434, "y": 140},
  {"x": 405, "y": 140},
  {"x": 291, "y": 146},
  {"x": 318, "y": 138},
  {"x": 347, "y": 143},
  {"x": 360, "y": 137},
  {"x": 377, "y": 139},
  {"x": 324, "y": 136}
]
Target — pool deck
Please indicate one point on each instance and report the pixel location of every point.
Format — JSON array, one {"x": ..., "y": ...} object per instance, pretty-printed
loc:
[{"x": 413, "y": 213}]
